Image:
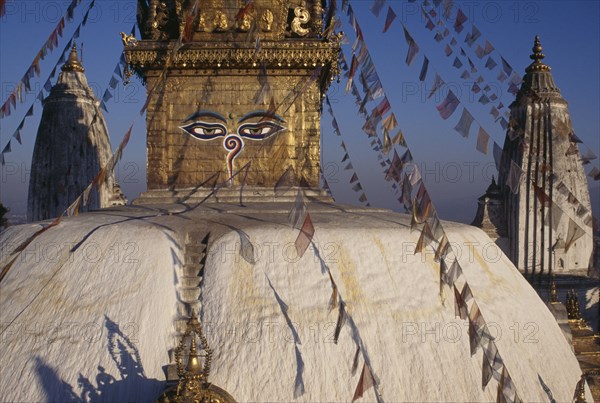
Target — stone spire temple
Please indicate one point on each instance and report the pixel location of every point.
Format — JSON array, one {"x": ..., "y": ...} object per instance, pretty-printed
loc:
[
  {"x": 71, "y": 146},
  {"x": 546, "y": 196}
]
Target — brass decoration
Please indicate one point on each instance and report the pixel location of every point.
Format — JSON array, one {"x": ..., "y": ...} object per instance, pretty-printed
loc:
[
  {"x": 245, "y": 23},
  {"x": 267, "y": 20},
  {"x": 201, "y": 25},
  {"x": 193, "y": 385},
  {"x": 161, "y": 13},
  {"x": 220, "y": 22},
  {"x": 580, "y": 390},
  {"x": 317, "y": 17},
  {"x": 572, "y": 306},
  {"x": 128, "y": 40},
  {"x": 537, "y": 57},
  {"x": 73, "y": 63},
  {"x": 302, "y": 16}
]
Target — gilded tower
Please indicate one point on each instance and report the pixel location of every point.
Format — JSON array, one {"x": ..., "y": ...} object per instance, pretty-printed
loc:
[
  {"x": 233, "y": 85},
  {"x": 547, "y": 201}
]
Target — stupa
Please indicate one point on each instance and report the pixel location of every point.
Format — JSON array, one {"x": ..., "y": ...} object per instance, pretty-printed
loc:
[
  {"x": 277, "y": 313},
  {"x": 545, "y": 195},
  {"x": 71, "y": 146}
]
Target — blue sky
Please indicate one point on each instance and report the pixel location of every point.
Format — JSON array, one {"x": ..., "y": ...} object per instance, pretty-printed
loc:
[{"x": 454, "y": 172}]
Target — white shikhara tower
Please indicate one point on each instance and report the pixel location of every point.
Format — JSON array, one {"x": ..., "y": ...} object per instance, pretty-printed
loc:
[
  {"x": 71, "y": 146},
  {"x": 548, "y": 209}
]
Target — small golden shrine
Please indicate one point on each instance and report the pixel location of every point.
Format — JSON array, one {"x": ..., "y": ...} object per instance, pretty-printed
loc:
[
  {"x": 233, "y": 85},
  {"x": 193, "y": 385}
]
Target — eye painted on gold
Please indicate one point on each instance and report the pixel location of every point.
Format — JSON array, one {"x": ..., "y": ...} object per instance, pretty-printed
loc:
[
  {"x": 260, "y": 130},
  {"x": 204, "y": 130}
]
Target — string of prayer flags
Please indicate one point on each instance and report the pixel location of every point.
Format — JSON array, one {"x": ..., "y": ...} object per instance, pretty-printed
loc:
[
  {"x": 482, "y": 141},
  {"x": 448, "y": 106},
  {"x": 365, "y": 382},
  {"x": 464, "y": 124},
  {"x": 413, "y": 48},
  {"x": 304, "y": 236},
  {"x": 34, "y": 68},
  {"x": 389, "y": 19}
]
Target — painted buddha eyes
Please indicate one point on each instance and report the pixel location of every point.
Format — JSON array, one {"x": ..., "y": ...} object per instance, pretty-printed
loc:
[
  {"x": 260, "y": 130},
  {"x": 205, "y": 131},
  {"x": 252, "y": 131}
]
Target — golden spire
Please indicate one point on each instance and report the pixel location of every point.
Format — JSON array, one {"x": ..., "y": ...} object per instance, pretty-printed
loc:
[
  {"x": 73, "y": 63},
  {"x": 537, "y": 57}
]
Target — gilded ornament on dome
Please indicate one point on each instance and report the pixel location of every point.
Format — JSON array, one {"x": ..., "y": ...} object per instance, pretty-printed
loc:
[
  {"x": 267, "y": 21},
  {"x": 245, "y": 23},
  {"x": 301, "y": 16},
  {"x": 220, "y": 22},
  {"x": 201, "y": 23}
]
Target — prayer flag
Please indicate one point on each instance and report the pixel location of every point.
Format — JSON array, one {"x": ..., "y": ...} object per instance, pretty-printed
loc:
[
  {"x": 413, "y": 48},
  {"x": 304, "y": 236},
  {"x": 389, "y": 19},
  {"x": 471, "y": 37},
  {"x": 482, "y": 141},
  {"x": 376, "y": 7},
  {"x": 506, "y": 67},
  {"x": 423, "y": 74},
  {"x": 490, "y": 63},
  {"x": 457, "y": 63},
  {"x": 574, "y": 232},
  {"x": 437, "y": 84},
  {"x": 364, "y": 382},
  {"x": 461, "y": 18},
  {"x": 514, "y": 177},
  {"x": 448, "y": 106},
  {"x": 464, "y": 124}
]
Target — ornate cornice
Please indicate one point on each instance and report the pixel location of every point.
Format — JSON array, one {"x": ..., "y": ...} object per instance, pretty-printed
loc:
[{"x": 149, "y": 55}]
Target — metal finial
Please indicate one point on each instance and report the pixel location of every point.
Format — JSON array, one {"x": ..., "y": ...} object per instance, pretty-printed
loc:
[
  {"x": 73, "y": 63},
  {"x": 537, "y": 57},
  {"x": 193, "y": 385},
  {"x": 580, "y": 390}
]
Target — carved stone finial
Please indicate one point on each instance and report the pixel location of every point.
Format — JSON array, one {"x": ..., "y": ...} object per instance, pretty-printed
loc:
[
  {"x": 73, "y": 63},
  {"x": 537, "y": 57}
]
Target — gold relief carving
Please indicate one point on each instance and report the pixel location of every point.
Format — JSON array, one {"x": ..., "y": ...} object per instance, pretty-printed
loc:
[
  {"x": 220, "y": 21},
  {"x": 245, "y": 23},
  {"x": 267, "y": 21},
  {"x": 201, "y": 23},
  {"x": 302, "y": 16}
]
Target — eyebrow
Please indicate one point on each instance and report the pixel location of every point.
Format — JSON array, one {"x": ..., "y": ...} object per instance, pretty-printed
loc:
[
  {"x": 260, "y": 114},
  {"x": 202, "y": 114}
]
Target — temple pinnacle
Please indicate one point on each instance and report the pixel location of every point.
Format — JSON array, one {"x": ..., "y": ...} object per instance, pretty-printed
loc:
[
  {"x": 73, "y": 63},
  {"x": 537, "y": 57}
]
